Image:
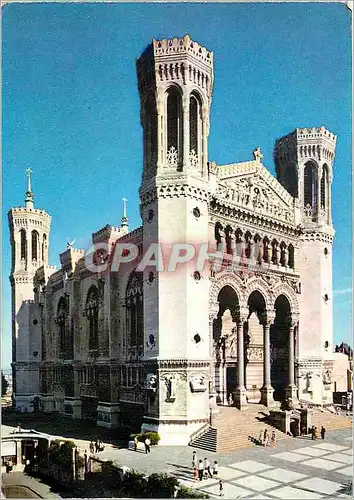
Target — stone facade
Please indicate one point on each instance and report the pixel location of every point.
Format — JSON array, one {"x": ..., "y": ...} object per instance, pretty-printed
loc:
[{"x": 156, "y": 347}]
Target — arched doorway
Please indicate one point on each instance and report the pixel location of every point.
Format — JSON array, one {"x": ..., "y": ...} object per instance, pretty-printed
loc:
[
  {"x": 279, "y": 345},
  {"x": 253, "y": 345},
  {"x": 225, "y": 344}
]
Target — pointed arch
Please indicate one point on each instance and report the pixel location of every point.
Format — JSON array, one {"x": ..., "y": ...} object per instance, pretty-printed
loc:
[
  {"x": 91, "y": 309},
  {"x": 174, "y": 122},
  {"x": 35, "y": 245},
  {"x": 310, "y": 185},
  {"x": 324, "y": 184},
  {"x": 195, "y": 122},
  {"x": 23, "y": 244}
]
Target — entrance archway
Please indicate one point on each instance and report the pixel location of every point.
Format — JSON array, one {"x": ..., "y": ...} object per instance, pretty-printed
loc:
[
  {"x": 279, "y": 345},
  {"x": 225, "y": 344}
]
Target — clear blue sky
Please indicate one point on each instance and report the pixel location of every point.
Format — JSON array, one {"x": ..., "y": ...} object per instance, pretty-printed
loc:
[{"x": 71, "y": 107}]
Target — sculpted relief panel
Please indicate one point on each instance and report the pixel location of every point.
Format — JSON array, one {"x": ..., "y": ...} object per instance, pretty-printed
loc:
[{"x": 255, "y": 194}]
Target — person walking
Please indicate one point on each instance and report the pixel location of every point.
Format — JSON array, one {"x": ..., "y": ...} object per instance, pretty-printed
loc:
[
  {"x": 92, "y": 448},
  {"x": 194, "y": 459},
  {"x": 147, "y": 445},
  {"x": 97, "y": 447},
  {"x": 273, "y": 440},
  {"x": 221, "y": 488},
  {"x": 136, "y": 443},
  {"x": 200, "y": 470},
  {"x": 265, "y": 438},
  {"x": 207, "y": 470},
  {"x": 195, "y": 473},
  {"x": 261, "y": 434},
  {"x": 315, "y": 434},
  {"x": 215, "y": 469},
  {"x": 323, "y": 432}
]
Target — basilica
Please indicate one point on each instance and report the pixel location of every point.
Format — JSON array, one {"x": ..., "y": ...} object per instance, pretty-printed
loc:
[{"x": 161, "y": 349}]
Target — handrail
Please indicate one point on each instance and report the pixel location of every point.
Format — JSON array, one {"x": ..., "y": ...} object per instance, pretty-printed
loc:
[{"x": 199, "y": 432}]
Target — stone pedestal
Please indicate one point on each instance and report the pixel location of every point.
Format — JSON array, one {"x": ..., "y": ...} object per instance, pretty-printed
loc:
[
  {"x": 267, "y": 396},
  {"x": 240, "y": 398},
  {"x": 291, "y": 392}
]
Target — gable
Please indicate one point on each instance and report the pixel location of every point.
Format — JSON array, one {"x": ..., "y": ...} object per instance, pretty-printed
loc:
[{"x": 253, "y": 187}]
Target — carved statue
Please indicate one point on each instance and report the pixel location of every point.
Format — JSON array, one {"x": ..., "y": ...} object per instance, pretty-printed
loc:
[
  {"x": 257, "y": 154},
  {"x": 327, "y": 377},
  {"x": 151, "y": 381}
]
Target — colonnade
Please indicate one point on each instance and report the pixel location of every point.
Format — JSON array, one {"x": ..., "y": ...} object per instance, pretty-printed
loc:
[{"x": 259, "y": 249}]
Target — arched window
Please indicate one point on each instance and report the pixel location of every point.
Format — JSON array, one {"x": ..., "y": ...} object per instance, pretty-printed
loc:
[
  {"x": 23, "y": 244},
  {"x": 62, "y": 322},
  {"x": 44, "y": 247},
  {"x": 309, "y": 191},
  {"x": 174, "y": 124},
  {"x": 291, "y": 258},
  {"x": 135, "y": 310},
  {"x": 151, "y": 130},
  {"x": 92, "y": 316},
  {"x": 324, "y": 183},
  {"x": 35, "y": 245},
  {"x": 195, "y": 122}
]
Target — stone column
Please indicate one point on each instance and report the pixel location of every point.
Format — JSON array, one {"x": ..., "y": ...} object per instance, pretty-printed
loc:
[
  {"x": 318, "y": 193},
  {"x": 186, "y": 133},
  {"x": 160, "y": 132},
  {"x": 267, "y": 389},
  {"x": 204, "y": 155},
  {"x": 291, "y": 389},
  {"x": 240, "y": 393}
]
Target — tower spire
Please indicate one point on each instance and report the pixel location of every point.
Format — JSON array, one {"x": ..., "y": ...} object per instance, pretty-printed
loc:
[
  {"x": 29, "y": 199},
  {"x": 125, "y": 220}
]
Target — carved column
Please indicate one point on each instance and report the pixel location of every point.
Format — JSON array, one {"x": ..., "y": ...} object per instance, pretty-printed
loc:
[
  {"x": 291, "y": 389},
  {"x": 186, "y": 133},
  {"x": 160, "y": 132},
  {"x": 204, "y": 155},
  {"x": 318, "y": 193},
  {"x": 240, "y": 393},
  {"x": 267, "y": 389}
]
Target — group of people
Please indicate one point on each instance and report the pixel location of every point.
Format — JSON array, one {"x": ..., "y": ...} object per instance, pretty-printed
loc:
[
  {"x": 97, "y": 446},
  {"x": 202, "y": 469},
  {"x": 266, "y": 440},
  {"x": 314, "y": 433},
  {"x": 147, "y": 444}
]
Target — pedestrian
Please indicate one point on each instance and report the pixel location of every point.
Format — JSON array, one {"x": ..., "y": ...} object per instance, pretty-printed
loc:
[
  {"x": 136, "y": 443},
  {"x": 315, "y": 434},
  {"x": 195, "y": 473},
  {"x": 323, "y": 432},
  {"x": 96, "y": 446},
  {"x": 207, "y": 470},
  {"x": 194, "y": 459},
  {"x": 265, "y": 438},
  {"x": 303, "y": 430},
  {"x": 221, "y": 488},
  {"x": 260, "y": 440},
  {"x": 215, "y": 469},
  {"x": 273, "y": 440},
  {"x": 147, "y": 445},
  {"x": 92, "y": 448},
  {"x": 200, "y": 470}
]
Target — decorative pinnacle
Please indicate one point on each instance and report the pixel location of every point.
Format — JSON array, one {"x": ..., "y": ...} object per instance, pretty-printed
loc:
[
  {"x": 29, "y": 199},
  {"x": 125, "y": 219}
]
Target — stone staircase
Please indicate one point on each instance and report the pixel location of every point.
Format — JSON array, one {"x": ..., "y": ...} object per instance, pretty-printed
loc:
[
  {"x": 330, "y": 421},
  {"x": 233, "y": 429}
]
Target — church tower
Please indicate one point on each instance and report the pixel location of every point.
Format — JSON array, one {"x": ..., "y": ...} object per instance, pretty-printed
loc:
[
  {"x": 304, "y": 163},
  {"x": 29, "y": 235},
  {"x": 175, "y": 79}
]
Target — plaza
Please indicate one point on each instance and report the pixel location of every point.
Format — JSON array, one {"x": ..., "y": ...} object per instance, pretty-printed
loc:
[{"x": 296, "y": 468}]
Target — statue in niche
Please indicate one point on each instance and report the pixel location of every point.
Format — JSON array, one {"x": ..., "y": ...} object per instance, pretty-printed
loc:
[
  {"x": 327, "y": 377},
  {"x": 170, "y": 389},
  {"x": 151, "y": 381}
]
